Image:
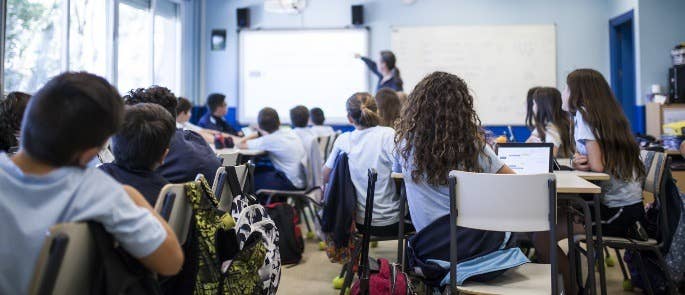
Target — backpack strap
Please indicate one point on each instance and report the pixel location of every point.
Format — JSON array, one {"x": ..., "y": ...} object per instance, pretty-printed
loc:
[{"x": 233, "y": 183}]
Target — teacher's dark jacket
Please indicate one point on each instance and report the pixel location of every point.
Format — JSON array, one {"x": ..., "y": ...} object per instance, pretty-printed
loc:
[{"x": 394, "y": 83}]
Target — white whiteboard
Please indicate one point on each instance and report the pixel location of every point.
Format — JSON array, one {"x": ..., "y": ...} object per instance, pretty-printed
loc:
[
  {"x": 499, "y": 63},
  {"x": 314, "y": 68}
]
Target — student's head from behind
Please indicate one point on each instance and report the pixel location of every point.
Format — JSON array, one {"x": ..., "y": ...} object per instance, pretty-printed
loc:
[
  {"x": 143, "y": 141},
  {"x": 547, "y": 110},
  {"x": 362, "y": 111},
  {"x": 317, "y": 116},
  {"x": 299, "y": 116},
  {"x": 69, "y": 120},
  {"x": 11, "y": 113},
  {"x": 389, "y": 106},
  {"x": 439, "y": 129},
  {"x": 268, "y": 120},
  {"x": 590, "y": 96},
  {"x": 529, "y": 107},
  {"x": 183, "y": 110},
  {"x": 154, "y": 94},
  {"x": 216, "y": 103}
]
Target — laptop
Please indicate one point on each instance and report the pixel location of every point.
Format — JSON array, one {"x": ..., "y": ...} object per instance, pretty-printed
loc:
[{"x": 527, "y": 158}]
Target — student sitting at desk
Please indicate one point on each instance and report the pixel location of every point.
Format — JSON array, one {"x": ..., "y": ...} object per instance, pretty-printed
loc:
[
  {"x": 183, "y": 120},
  {"x": 426, "y": 153},
  {"x": 11, "y": 112},
  {"x": 189, "y": 154},
  {"x": 46, "y": 182},
  {"x": 318, "y": 128},
  {"x": 551, "y": 123},
  {"x": 140, "y": 147},
  {"x": 214, "y": 118},
  {"x": 369, "y": 146},
  {"x": 285, "y": 151},
  {"x": 299, "y": 117}
]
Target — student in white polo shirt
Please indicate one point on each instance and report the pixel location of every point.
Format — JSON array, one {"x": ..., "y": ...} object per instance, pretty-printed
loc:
[
  {"x": 369, "y": 146},
  {"x": 285, "y": 151}
]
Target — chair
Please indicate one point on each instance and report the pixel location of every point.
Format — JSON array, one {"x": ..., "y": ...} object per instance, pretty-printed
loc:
[
  {"x": 324, "y": 141},
  {"x": 656, "y": 166},
  {"x": 230, "y": 181},
  {"x": 363, "y": 239},
  {"x": 174, "y": 207},
  {"x": 66, "y": 261},
  {"x": 476, "y": 203}
]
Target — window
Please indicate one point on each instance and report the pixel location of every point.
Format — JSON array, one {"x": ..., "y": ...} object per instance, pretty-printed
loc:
[
  {"x": 167, "y": 46},
  {"x": 135, "y": 54},
  {"x": 34, "y": 44},
  {"x": 88, "y": 36}
]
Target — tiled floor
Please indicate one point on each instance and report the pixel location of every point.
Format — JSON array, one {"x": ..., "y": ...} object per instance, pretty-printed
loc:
[{"x": 315, "y": 273}]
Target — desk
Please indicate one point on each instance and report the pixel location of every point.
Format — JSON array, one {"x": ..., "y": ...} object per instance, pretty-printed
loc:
[
  {"x": 568, "y": 182},
  {"x": 242, "y": 152}
]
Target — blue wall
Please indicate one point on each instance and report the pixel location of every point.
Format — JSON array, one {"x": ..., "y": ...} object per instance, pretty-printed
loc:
[{"x": 582, "y": 35}]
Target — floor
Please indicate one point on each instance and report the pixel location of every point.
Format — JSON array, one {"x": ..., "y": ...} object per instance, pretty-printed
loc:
[{"x": 314, "y": 275}]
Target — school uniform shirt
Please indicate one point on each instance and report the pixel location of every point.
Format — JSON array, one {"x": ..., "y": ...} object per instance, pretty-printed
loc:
[
  {"x": 216, "y": 123},
  {"x": 286, "y": 152},
  {"x": 322, "y": 130},
  {"x": 394, "y": 83},
  {"x": 370, "y": 148},
  {"x": 616, "y": 192},
  {"x": 148, "y": 183},
  {"x": 189, "y": 154},
  {"x": 551, "y": 135},
  {"x": 188, "y": 126},
  {"x": 429, "y": 202},
  {"x": 31, "y": 204}
]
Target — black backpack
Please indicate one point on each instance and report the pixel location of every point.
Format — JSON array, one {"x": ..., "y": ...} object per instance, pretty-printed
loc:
[
  {"x": 291, "y": 242},
  {"x": 119, "y": 272}
]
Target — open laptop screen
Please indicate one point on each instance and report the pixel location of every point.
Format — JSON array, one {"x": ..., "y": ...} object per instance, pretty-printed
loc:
[{"x": 527, "y": 158}]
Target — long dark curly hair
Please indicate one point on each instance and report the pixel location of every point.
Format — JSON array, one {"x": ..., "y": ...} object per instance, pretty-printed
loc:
[{"x": 439, "y": 129}]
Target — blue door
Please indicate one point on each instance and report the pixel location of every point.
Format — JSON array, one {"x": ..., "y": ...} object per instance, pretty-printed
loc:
[{"x": 622, "y": 46}]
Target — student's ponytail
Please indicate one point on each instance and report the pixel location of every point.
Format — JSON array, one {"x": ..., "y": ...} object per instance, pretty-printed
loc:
[{"x": 362, "y": 109}]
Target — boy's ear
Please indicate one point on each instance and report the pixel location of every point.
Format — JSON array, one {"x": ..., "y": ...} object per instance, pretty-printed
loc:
[
  {"x": 86, "y": 156},
  {"x": 161, "y": 161}
]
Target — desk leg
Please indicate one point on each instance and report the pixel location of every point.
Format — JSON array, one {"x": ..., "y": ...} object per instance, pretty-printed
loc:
[
  {"x": 600, "y": 245},
  {"x": 571, "y": 249},
  {"x": 591, "y": 253}
]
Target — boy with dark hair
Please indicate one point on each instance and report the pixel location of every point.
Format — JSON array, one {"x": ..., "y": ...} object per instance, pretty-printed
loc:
[
  {"x": 214, "y": 118},
  {"x": 285, "y": 151},
  {"x": 140, "y": 147},
  {"x": 66, "y": 123},
  {"x": 189, "y": 154},
  {"x": 299, "y": 116},
  {"x": 318, "y": 128}
]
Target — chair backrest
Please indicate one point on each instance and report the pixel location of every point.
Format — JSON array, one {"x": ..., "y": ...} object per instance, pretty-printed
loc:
[
  {"x": 323, "y": 145},
  {"x": 313, "y": 165},
  {"x": 229, "y": 159},
  {"x": 226, "y": 195},
  {"x": 66, "y": 261},
  {"x": 655, "y": 167},
  {"x": 503, "y": 202},
  {"x": 173, "y": 205}
]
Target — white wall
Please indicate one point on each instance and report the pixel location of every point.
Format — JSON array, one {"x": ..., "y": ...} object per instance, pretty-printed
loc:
[{"x": 582, "y": 27}]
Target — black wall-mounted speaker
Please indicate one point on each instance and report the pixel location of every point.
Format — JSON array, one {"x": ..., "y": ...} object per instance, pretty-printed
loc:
[
  {"x": 243, "y": 17},
  {"x": 358, "y": 15}
]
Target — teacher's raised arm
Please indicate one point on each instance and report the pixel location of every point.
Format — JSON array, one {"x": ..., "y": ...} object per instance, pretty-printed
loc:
[{"x": 386, "y": 70}]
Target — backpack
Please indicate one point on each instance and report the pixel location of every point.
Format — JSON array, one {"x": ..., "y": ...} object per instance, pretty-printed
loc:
[
  {"x": 673, "y": 241},
  {"x": 251, "y": 217},
  {"x": 223, "y": 267},
  {"x": 291, "y": 242},
  {"x": 387, "y": 280},
  {"x": 119, "y": 272}
]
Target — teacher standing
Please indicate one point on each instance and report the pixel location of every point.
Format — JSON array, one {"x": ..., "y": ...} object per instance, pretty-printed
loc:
[{"x": 387, "y": 72}]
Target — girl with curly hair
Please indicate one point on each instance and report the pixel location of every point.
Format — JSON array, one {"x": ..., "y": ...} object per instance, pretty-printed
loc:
[
  {"x": 439, "y": 131},
  {"x": 11, "y": 114}
]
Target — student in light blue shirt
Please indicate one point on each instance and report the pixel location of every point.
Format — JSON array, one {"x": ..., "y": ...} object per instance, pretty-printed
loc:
[
  {"x": 45, "y": 183},
  {"x": 439, "y": 131}
]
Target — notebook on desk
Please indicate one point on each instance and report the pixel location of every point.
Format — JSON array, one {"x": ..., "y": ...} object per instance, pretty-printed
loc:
[{"x": 527, "y": 158}]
